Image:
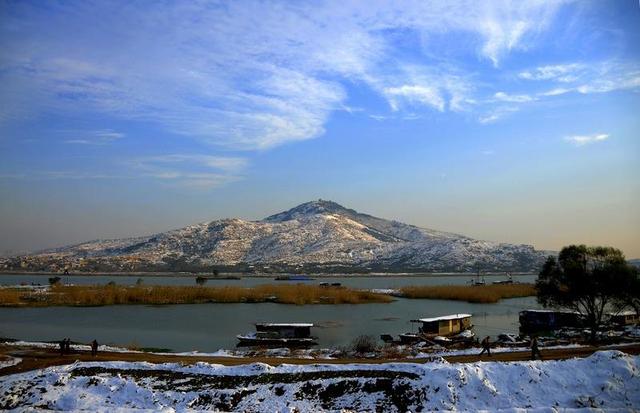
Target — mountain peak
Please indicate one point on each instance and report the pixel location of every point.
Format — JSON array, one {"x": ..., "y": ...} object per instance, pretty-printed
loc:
[{"x": 320, "y": 206}]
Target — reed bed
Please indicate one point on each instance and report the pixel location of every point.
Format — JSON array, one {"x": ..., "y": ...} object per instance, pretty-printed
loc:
[
  {"x": 470, "y": 293},
  {"x": 10, "y": 296},
  {"x": 60, "y": 295}
]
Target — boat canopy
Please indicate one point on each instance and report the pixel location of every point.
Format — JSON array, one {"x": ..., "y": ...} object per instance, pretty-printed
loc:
[
  {"x": 444, "y": 318},
  {"x": 541, "y": 311}
]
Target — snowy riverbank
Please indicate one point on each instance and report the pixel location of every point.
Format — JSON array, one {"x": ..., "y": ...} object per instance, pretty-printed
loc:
[
  {"x": 608, "y": 380},
  {"x": 398, "y": 352}
]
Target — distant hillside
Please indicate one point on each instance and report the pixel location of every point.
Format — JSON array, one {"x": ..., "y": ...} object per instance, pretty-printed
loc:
[{"x": 315, "y": 236}]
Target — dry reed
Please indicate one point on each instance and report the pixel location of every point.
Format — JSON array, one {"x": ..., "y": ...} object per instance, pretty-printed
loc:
[
  {"x": 60, "y": 295},
  {"x": 470, "y": 293}
]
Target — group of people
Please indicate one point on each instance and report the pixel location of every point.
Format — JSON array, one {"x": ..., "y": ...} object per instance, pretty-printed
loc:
[
  {"x": 535, "y": 351},
  {"x": 65, "y": 347}
]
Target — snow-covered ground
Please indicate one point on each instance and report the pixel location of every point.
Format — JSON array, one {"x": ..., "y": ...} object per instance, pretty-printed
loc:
[
  {"x": 607, "y": 381},
  {"x": 9, "y": 361},
  {"x": 74, "y": 347}
]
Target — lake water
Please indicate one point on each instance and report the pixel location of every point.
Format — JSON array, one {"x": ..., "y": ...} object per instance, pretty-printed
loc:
[{"x": 209, "y": 327}]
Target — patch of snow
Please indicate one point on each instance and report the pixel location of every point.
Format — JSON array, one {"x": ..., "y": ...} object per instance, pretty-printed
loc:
[
  {"x": 77, "y": 347},
  {"x": 607, "y": 381},
  {"x": 9, "y": 361}
]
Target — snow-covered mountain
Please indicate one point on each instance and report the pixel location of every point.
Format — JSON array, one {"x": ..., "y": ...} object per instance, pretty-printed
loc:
[{"x": 318, "y": 234}]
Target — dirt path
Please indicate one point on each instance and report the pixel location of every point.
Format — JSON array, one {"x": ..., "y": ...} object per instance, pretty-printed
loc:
[{"x": 37, "y": 358}]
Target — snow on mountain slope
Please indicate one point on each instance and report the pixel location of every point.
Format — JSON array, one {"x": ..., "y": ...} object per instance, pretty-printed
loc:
[{"x": 315, "y": 233}]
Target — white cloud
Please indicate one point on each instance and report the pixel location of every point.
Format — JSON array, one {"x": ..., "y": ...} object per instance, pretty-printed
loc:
[
  {"x": 609, "y": 84},
  {"x": 560, "y": 73},
  {"x": 490, "y": 118},
  {"x": 497, "y": 114},
  {"x": 247, "y": 75},
  {"x": 513, "y": 98},
  {"x": 555, "y": 92},
  {"x": 597, "y": 77},
  {"x": 97, "y": 137},
  {"x": 414, "y": 94},
  {"x": 197, "y": 171},
  {"x": 580, "y": 140}
]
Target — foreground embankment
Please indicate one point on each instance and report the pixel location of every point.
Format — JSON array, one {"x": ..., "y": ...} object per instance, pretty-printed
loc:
[
  {"x": 98, "y": 295},
  {"x": 607, "y": 380}
]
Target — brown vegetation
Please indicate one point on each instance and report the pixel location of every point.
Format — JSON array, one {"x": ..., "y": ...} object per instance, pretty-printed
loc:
[
  {"x": 471, "y": 293},
  {"x": 9, "y": 296},
  {"x": 60, "y": 295}
]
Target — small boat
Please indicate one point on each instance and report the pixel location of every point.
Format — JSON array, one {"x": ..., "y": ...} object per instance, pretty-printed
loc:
[
  {"x": 537, "y": 321},
  {"x": 448, "y": 329},
  {"x": 411, "y": 338},
  {"x": 478, "y": 280},
  {"x": 293, "y": 278},
  {"x": 218, "y": 277},
  {"x": 279, "y": 334},
  {"x": 509, "y": 280}
]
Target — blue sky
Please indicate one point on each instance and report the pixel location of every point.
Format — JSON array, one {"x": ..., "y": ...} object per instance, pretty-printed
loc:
[{"x": 507, "y": 121}]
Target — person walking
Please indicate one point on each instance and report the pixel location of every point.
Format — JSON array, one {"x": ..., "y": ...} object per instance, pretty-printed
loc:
[
  {"x": 94, "y": 348},
  {"x": 486, "y": 346},
  {"x": 62, "y": 346},
  {"x": 534, "y": 348},
  {"x": 67, "y": 345}
]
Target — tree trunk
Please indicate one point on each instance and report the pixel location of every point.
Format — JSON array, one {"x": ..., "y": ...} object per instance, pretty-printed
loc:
[{"x": 594, "y": 330}]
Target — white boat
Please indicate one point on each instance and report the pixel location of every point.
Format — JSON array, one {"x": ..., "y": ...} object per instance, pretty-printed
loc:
[
  {"x": 453, "y": 328},
  {"x": 280, "y": 334}
]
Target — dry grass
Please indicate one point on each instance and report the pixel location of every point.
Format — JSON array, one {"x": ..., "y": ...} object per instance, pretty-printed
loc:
[
  {"x": 60, "y": 295},
  {"x": 470, "y": 293},
  {"x": 9, "y": 296}
]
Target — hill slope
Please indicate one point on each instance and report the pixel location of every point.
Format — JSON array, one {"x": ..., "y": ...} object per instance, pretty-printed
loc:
[{"x": 318, "y": 235}]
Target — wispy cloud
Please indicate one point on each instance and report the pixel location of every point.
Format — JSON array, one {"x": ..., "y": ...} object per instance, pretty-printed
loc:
[
  {"x": 497, "y": 114},
  {"x": 64, "y": 175},
  {"x": 596, "y": 77},
  {"x": 247, "y": 75},
  {"x": 555, "y": 92},
  {"x": 580, "y": 140},
  {"x": 414, "y": 94},
  {"x": 197, "y": 171},
  {"x": 560, "y": 73},
  {"x": 504, "y": 97},
  {"x": 98, "y": 137}
]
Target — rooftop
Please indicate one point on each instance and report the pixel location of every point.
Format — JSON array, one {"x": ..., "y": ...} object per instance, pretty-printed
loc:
[{"x": 445, "y": 318}]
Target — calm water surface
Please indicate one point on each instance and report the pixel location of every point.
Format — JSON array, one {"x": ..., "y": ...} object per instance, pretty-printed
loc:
[{"x": 209, "y": 327}]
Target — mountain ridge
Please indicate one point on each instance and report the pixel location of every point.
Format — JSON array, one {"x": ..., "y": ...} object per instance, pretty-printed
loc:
[{"x": 314, "y": 236}]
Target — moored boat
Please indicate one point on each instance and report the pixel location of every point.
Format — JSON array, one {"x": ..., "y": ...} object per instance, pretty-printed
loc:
[
  {"x": 293, "y": 278},
  {"x": 448, "y": 329},
  {"x": 279, "y": 334}
]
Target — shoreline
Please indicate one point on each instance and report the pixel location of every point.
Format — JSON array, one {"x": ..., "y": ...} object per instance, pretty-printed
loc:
[
  {"x": 221, "y": 276},
  {"x": 36, "y": 355},
  {"x": 280, "y": 293}
]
